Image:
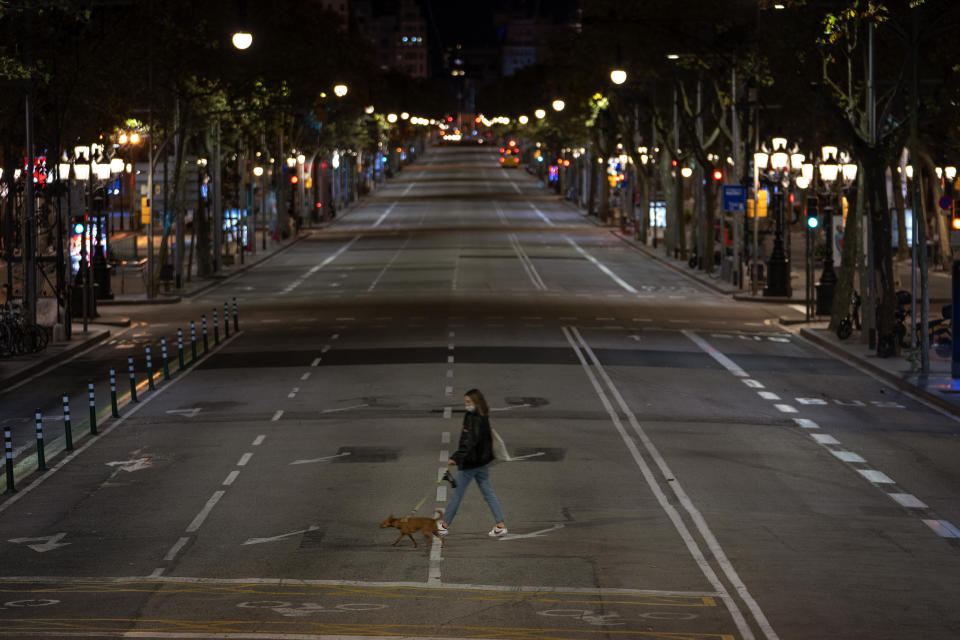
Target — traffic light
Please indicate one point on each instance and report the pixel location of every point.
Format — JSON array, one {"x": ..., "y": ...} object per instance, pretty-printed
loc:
[
  {"x": 955, "y": 217},
  {"x": 294, "y": 179},
  {"x": 717, "y": 175},
  {"x": 77, "y": 224},
  {"x": 813, "y": 221}
]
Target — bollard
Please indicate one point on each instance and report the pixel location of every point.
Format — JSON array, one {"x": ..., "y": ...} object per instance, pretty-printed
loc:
[
  {"x": 226, "y": 320},
  {"x": 236, "y": 316},
  {"x": 180, "y": 348},
  {"x": 113, "y": 394},
  {"x": 203, "y": 323},
  {"x": 133, "y": 380},
  {"x": 150, "y": 371},
  {"x": 216, "y": 328},
  {"x": 193, "y": 342},
  {"x": 41, "y": 458},
  {"x": 163, "y": 353},
  {"x": 8, "y": 446},
  {"x": 93, "y": 408},
  {"x": 67, "y": 425}
]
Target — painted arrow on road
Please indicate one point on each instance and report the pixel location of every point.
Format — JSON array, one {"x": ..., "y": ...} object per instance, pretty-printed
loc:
[
  {"x": 49, "y": 542},
  {"x": 186, "y": 413},
  {"x": 131, "y": 465},
  {"x": 535, "y": 534},
  {"x": 339, "y": 455},
  {"x": 281, "y": 537},
  {"x": 530, "y": 455}
]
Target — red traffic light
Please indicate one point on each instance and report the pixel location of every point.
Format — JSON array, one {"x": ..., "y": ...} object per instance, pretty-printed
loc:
[
  {"x": 718, "y": 175},
  {"x": 294, "y": 179}
]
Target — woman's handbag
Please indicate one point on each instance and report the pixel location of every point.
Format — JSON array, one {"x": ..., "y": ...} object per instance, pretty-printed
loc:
[{"x": 500, "y": 453}]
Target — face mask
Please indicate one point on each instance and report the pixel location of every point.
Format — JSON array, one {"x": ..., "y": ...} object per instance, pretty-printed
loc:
[{"x": 470, "y": 408}]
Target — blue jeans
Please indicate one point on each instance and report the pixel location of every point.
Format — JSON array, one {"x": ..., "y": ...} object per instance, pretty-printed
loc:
[{"x": 464, "y": 477}]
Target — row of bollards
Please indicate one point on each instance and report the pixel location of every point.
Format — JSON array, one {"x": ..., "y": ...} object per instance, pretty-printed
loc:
[{"x": 114, "y": 407}]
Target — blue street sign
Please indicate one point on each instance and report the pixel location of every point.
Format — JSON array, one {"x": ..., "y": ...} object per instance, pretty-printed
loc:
[{"x": 734, "y": 197}]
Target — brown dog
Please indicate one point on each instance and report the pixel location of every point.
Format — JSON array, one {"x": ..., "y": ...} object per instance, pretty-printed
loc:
[{"x": 409, "y": 526}]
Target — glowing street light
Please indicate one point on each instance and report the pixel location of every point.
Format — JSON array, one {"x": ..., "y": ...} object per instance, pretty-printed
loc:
[
  {"x": 523, "y": 119},
  {"x": 559, "y": 105},
  {"x": 242, "y": 40},
  {"x": 540, "y": 114},
  {"x": 340, "y": 90},
  {"x": 391, "y": 118},
  {"x": 618, "y": 76}
]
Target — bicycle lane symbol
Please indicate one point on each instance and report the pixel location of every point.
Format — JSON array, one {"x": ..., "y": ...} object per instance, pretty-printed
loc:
[
  {"x": 16, "y": 604},
  {"x": 303, "y": 609},
  {"x": 613, "y": 619}
]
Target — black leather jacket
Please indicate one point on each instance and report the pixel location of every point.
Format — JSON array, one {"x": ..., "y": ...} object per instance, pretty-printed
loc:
[{"x": 476, "y": 442}]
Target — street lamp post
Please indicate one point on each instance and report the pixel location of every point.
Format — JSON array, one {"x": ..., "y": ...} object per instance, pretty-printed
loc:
[
  {"x": 829, "y": 174},
  {"x": 778, "y": 265}
]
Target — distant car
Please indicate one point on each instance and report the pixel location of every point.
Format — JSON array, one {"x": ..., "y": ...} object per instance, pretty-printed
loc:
[{"x": 510, "y": 155}]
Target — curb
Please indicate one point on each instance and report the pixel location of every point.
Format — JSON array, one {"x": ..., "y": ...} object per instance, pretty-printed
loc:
[
  {"x": 46, "y": 362},
  {"x": 886, "y": 376},
  {"x": 651, "y": 254},
  {"x": 122, "y": 303}
]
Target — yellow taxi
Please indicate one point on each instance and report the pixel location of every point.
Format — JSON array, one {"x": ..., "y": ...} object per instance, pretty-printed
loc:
[{"x": 510, "y": 155}]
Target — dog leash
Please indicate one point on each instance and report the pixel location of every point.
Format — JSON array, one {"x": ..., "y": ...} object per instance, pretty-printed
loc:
[{"x": 446, "y": 476}]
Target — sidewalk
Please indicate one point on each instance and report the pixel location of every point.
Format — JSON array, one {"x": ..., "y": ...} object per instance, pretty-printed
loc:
[
  {"x": 938, "y": 388},
  {"x": 15, "y": 369}
]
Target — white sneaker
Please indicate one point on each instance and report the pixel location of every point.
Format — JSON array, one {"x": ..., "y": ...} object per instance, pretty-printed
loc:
[
  {"x": 442, "y": 530},
  {"x": 498, "y": 532}
]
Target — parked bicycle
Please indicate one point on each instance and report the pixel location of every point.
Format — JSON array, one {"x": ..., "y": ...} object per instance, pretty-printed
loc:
[{"x": 17, "y": 335}]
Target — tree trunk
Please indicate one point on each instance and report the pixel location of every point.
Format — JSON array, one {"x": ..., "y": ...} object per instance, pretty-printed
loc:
[
  {"x": 670, "y": 199},
  {"x": 903, "y": 242},
  {"x": 937, "y": 215},
  {"x": 843, "y": 291},
  {"x": 878, "y": 209},
  {"x": 592, "y": 194}
]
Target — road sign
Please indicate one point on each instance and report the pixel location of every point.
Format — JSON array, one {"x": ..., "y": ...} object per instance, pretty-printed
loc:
[
  {"x": 946, "y": 203},
  {"x": 734, "y": 197}
]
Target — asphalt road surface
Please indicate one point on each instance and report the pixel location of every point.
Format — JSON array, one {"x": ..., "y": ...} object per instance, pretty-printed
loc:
[{"x": 685, "y": 467}]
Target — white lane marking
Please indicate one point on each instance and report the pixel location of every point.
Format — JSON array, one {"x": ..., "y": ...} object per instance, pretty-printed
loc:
[
  {"x": 806, "y": 423},
  {"x": 387, "y": 212},
  {"x": 10, "y": 501},
  {"x": 848, "y": 456},
  {"x": 602, "y": 267},
  {"x": 529, "y": 455},
  {"x": 324, "y": 349},
  {"x": 449, "y": 373},
  {"x": 768, "y": 395},
  {"x": 876, "y": 477},
  {"x": 312, "y": 527},
  {"x": 753, "y": 384},
  {"x": 323, "y": 459},
  {"x": 450, "y": 347},
  {"x": 175, "y": 549},
  {"x": 335, "y": 336},
  {"x": 943, "y": 528},
  {"x": 448, "y": 391},
  {"x": 244, "y": 459},
  {"x": 449, "y": 359},
  {"x": 305, "y": 376},
  {"x": 785, "y": 408},
  {"x": 539, "y": 213},
  {"x": 316, "y": 361},
  {"x": 387, "y": 266},
  {"x": 908, "y": 500},
  {"x": 207, "y": 508},
  {"x": 276, "y": 415},
  {"x": 445, "y": 437},
  {"x": 444, "y": 455},
  {"x": 663, "y": 500},
  {"x": 231, "y": 477},
  {"x": 442, "y": 493},
  {"x": 433, "y": 572},
  {"x": 724, "y": 361},
  {"x": 527, "y": 263},
  {"x": 823, "y": 438},
  {"x": 296, "y": 283},
  {"x": 447, "y": 412},
  {"x": 338, "y": 409},
  {"x": 258, "y": 440}
]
